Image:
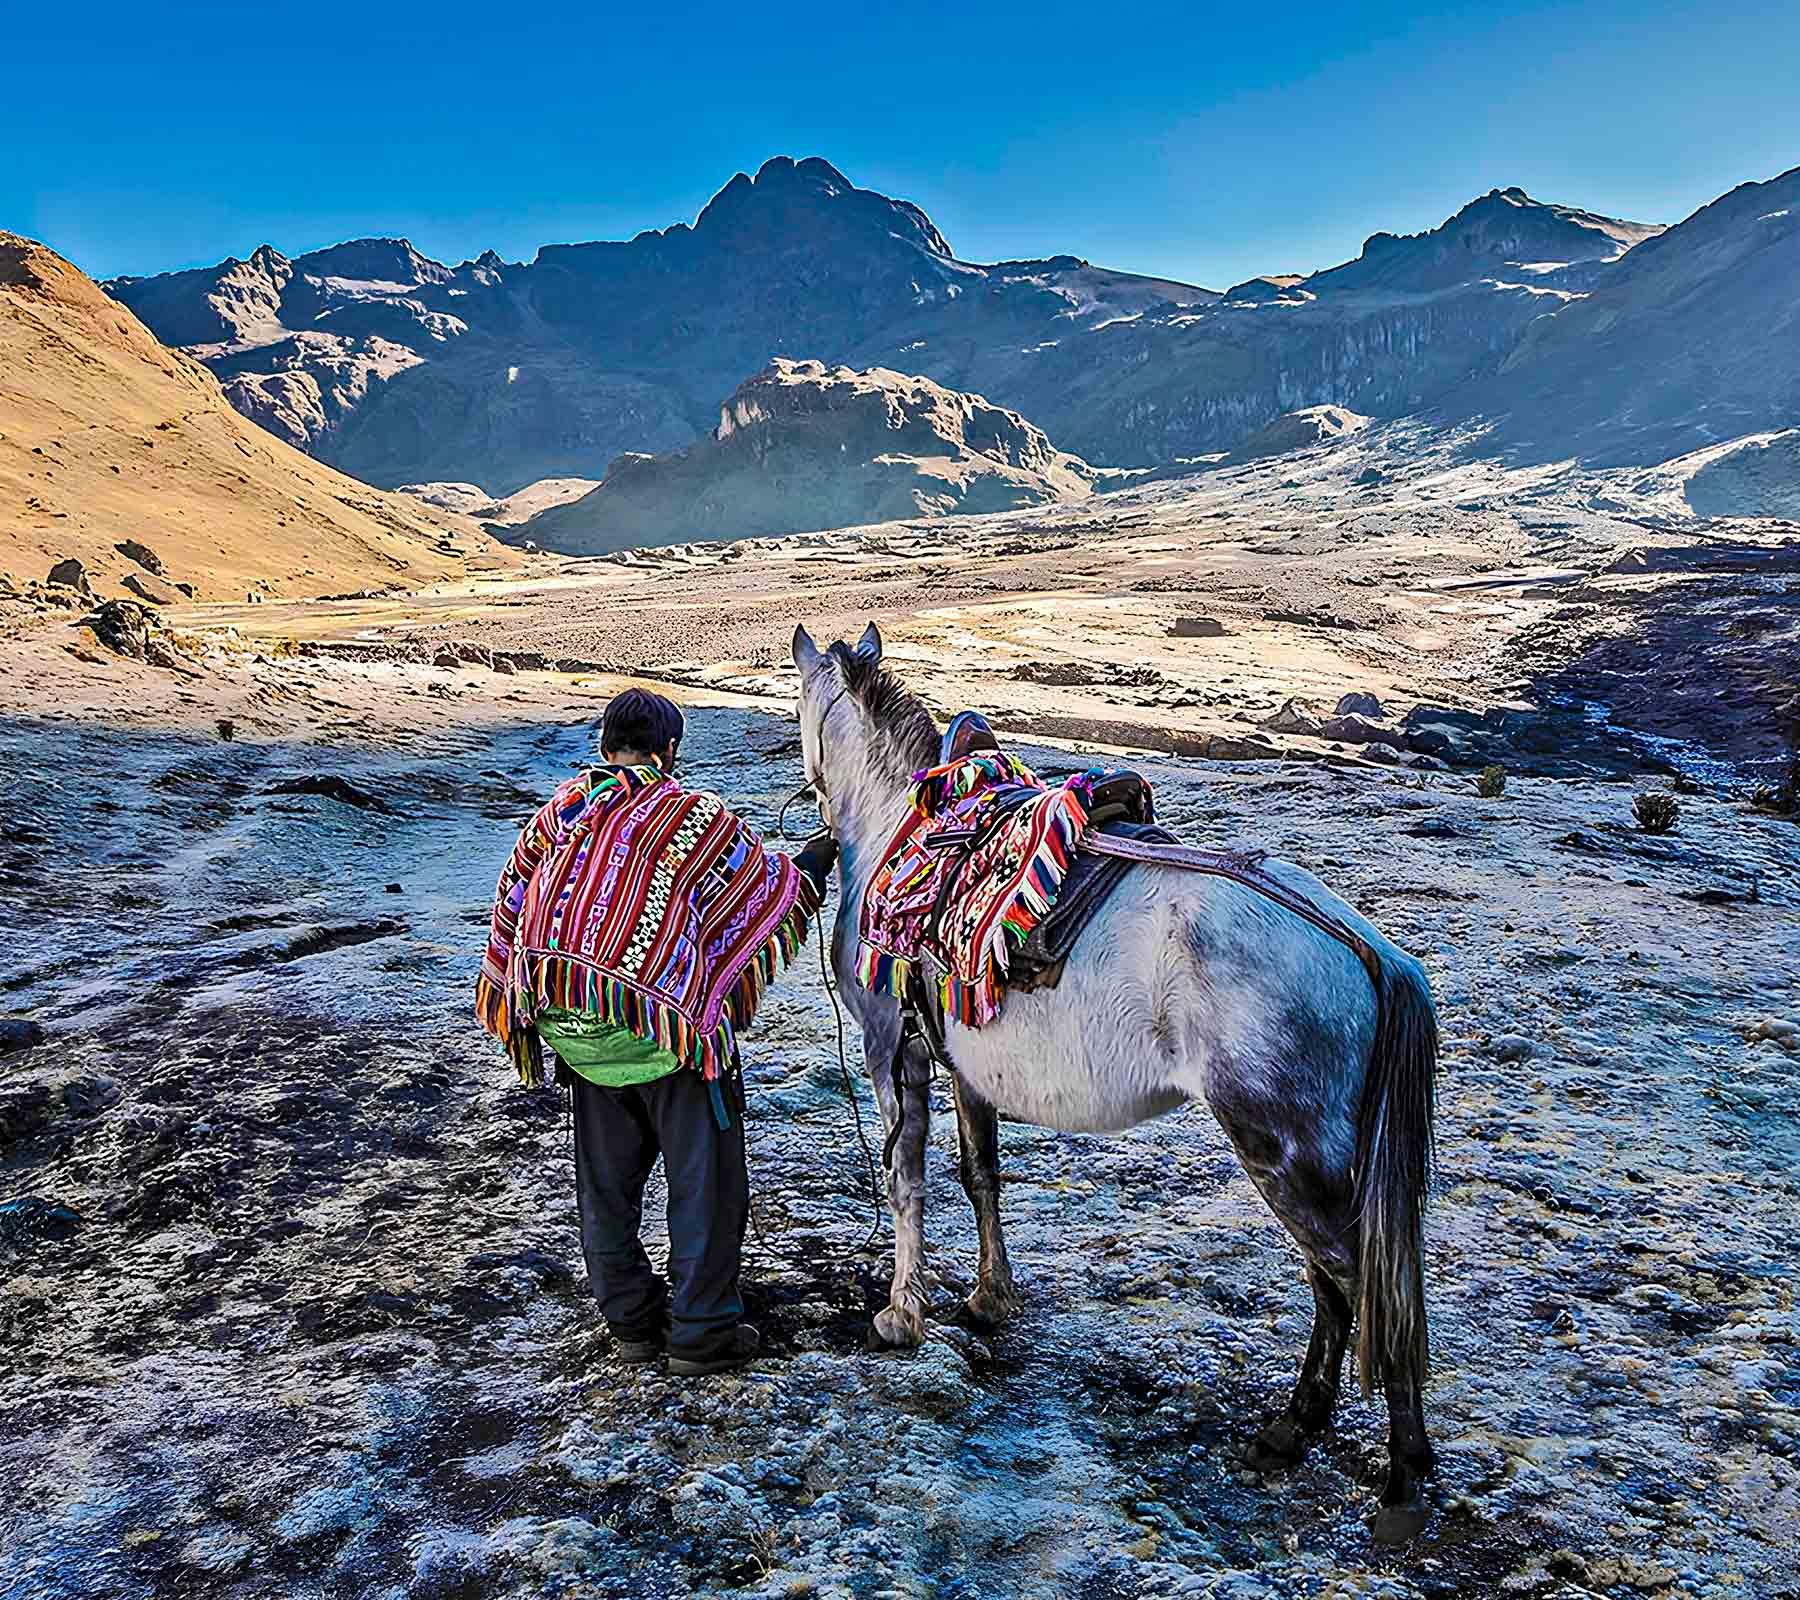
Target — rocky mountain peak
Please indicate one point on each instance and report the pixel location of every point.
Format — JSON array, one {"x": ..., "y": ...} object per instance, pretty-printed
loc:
[
  {"x": 1500, "y": 229},
  {"x": 374, "y": 261},
  {"x": 811, "y": 198}
]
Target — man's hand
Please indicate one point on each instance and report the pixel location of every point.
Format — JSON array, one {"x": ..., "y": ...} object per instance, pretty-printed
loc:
[{"x": 817, "y": 857}]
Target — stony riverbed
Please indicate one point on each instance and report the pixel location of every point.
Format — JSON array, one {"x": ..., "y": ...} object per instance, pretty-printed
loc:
[{"x": 291, "y": 1301}]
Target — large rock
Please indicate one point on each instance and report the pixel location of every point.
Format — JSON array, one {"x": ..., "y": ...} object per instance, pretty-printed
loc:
[
  {"x": 71, "y": 574},
  {"x": 1296, "y": 716},
  {"x": 143, "y": 555},
  {"x": 803, "y": 446},
  {"x": 122, "y": 626},
  {"x": 1357, "y": 730},
  {"x": 152, "y": 589}
]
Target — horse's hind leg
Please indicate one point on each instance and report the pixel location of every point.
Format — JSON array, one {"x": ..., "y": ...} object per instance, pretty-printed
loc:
[
  {"x": 1284, "y": 1440},
  {"x": 901, "y": 1324},
  {"x": 1311, "y": 1198},
  {"x": 1410, "y": 1459},
  {"x": 978, "y": 1143}
]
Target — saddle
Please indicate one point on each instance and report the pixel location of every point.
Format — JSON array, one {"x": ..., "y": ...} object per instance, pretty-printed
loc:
[
  {"x": 1121, "y": 833},
  {"x": 1121, "y": 807}
]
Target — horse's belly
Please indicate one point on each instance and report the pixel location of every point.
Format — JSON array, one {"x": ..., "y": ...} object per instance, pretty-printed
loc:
[{"x": 1061, "y": 1088}]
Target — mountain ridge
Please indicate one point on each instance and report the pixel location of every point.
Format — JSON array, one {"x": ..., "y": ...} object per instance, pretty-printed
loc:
[
  {"x": 110, "y": 439},
  {"x": 505, "y": 373}
]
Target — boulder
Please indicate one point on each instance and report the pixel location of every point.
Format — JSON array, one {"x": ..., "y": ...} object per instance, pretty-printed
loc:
[
  {"x": 1295, "y": 716},
  {"x": 71, "y": 574},
  {"x": 122, "y": 626},
  {"x": 1355, "y": 730},
  {"x": 19, "y": 1033},
  {"x": 154, "y": 590},
  {"x": 1359, "y": 703},
  {"x": 143, "y": 555},
  {"x": 1197, "y": 628},
  {"x": 459, "y": 653}
]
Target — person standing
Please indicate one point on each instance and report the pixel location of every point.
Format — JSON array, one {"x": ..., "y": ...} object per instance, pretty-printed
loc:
[{"x": 634, "y": 930}]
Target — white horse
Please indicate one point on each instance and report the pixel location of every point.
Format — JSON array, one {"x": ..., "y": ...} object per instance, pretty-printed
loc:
[{"x": 1184, "y": 987}]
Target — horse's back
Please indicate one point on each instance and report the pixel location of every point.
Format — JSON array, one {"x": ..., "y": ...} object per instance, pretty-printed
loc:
[{"x": 1181, "y": 978}]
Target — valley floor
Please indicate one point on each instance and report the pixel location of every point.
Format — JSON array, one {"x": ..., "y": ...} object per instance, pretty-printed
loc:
[
  {"x": 289, "y": 1279},
  {"x": 293, "y": 1296}
]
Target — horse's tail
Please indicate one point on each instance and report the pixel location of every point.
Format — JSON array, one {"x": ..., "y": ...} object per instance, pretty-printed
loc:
[{"x": 1393, "y": 1172}]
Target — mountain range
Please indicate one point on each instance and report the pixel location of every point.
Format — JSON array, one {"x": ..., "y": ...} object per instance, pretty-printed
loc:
[{"x": 1568, "y": 331}]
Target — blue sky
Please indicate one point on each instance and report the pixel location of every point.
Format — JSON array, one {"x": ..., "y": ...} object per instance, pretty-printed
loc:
[{"x": 1200, "y": 142}]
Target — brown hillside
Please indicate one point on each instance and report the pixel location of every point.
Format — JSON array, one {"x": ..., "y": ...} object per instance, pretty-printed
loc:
[{"x": 107, "y": 436}]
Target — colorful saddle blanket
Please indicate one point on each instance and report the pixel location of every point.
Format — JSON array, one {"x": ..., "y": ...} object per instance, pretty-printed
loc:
[{"x": 975, "y": 867}]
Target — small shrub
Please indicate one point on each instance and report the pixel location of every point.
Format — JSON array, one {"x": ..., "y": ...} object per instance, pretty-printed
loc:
[
  {"x": 1783, "y": 796},
  {"x": 1492, "y": 783},
  {"x": 1657, "y": 811}
]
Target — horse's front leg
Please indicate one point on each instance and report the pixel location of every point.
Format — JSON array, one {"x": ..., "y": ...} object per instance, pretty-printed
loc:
[
  {"x": 978, "y": 1142},
  {"x": 901, "y": 1326}
]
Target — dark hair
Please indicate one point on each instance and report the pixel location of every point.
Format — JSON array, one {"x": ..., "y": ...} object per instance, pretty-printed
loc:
[{"x": 640, "y": 722}]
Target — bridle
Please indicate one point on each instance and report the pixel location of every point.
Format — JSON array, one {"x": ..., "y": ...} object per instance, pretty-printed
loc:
[{"x": 814, "y": 787}]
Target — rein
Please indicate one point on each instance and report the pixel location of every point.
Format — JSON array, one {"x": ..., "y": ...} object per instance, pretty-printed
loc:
[{"x": 808, "y": 792}]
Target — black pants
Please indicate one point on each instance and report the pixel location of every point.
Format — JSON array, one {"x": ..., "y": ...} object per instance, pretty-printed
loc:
[{"x": 618, "y": 1135}]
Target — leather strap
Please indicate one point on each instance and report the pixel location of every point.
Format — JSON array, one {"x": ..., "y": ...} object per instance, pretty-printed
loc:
[{"x": 1241, "y": 867}]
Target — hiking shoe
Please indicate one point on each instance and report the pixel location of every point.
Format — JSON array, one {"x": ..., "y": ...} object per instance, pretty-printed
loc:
[
  {"x": 739, "y": 1349},
  {"x": 640, "y": 1349}
]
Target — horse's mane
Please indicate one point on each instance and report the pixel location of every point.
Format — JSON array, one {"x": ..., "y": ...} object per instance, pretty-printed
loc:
[{"x": 908, "y": 730}]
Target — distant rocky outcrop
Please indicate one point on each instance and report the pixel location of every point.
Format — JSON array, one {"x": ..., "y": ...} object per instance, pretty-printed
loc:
[
  {"x": 1754, "y": 477},
  {"x": 804, "y": 446},
  {"x": 471, "y": 500},
  {"x": 1300, "y": 430}
]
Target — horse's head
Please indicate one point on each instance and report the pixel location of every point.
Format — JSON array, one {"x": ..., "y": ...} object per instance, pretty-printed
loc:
[{"x": 862, "y": 735}]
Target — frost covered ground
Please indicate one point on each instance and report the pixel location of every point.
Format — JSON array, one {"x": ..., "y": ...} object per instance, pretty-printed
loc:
[{"x": 291, "y": 1299}]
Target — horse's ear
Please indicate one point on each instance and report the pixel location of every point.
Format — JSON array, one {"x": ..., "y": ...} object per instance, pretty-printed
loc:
[
  {"x": 870, "y": 643},
  {"x": 805, "y": 651}
]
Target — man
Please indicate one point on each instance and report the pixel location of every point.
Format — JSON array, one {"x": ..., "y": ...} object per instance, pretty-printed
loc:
[{"x": 634, "y": 930}]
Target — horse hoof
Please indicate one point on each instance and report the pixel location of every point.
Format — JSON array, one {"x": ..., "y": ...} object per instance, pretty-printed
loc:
[
  {"x": 897, "y": 1330},
  {"x": 1399, "y": 1523},
  {"x": 1279, "y": 1446},
  {"x": 989, "y": 1308}
]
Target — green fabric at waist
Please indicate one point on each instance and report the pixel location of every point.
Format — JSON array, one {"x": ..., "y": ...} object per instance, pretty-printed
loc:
[{"x": 602, "y": 1052}]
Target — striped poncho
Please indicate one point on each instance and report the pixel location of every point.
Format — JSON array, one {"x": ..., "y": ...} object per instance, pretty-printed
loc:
[
  {"x": 970, "y": 872},
  {"x": 644, "y": 904}
]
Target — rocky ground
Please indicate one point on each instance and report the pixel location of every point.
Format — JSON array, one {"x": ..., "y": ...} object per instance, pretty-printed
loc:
[
  {"x": 290, "y": 1296},
  {"x": 293, "y": 1302}
]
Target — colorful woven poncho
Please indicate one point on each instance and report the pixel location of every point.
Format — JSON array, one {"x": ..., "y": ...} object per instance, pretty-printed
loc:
[
  {"x": 646, "y": 905},
  {"x": 970, "y": 872}
]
